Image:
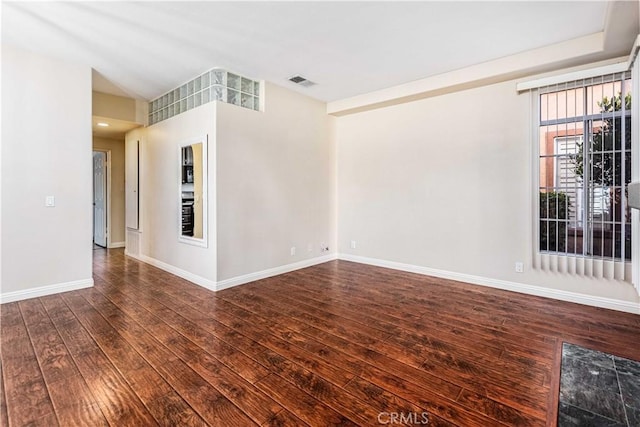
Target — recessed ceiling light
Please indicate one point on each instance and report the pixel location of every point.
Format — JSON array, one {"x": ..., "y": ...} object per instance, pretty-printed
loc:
[{"x": 102, "y": 124}]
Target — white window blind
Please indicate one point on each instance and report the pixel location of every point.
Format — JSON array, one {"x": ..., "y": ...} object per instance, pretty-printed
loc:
[{"x": 583, "y": 142}]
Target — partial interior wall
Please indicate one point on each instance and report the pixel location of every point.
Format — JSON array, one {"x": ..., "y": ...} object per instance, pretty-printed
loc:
[
  {"x": 159, "y": 226},
  {"x": 119, "y": 108},
  {"x": 446, "y": 183},
  {"x": 271, "y": 174},
  {"x": 46, "y": 151},
  {"x": 275, "y": 184}
]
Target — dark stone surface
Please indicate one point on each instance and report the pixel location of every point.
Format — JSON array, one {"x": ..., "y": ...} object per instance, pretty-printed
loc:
[
  {"x": 591, "y": 387},
  {"x": 598, "y": 389},
  {"x": 570, "y": 416},
  {"x": 633, "y": 415},
  {"x": 593, "y": 357},
  {"x": 630, "y": 388},
  {"x": 627, "y": 366}
]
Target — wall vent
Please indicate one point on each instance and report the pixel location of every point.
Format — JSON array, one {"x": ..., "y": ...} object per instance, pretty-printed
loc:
[{"x": 302, "y": 81}]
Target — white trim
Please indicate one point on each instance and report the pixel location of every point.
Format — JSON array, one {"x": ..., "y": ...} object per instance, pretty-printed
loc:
[
  {"x": 204, "y": 240},
  {"x": 107, "y": 167},
  {"x": 251, "y": 277},
  {"x": 194, "y": 278},
  {"x": 634, "y": 53},
  {"x": 116, "y": 245},
  {"x": 132, "y": 242},
  {"x": 234, "y": 281},
  {"x": 618, "y": 67},
  {"x": 635, "y": 172},
  {"x": 602, "y": 302},
  {"x": 45, "y": 290},
  {"x": 134, "y": 256}
]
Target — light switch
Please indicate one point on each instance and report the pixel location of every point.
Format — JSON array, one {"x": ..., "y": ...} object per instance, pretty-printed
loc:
[{"x": 50, "y": 201}]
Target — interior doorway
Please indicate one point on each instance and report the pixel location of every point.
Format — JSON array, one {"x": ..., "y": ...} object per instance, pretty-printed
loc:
[{"x": 100, "y": 198}]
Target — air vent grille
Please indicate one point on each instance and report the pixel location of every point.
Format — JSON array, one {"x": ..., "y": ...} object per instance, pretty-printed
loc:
[{"x": 302, "y": 81}]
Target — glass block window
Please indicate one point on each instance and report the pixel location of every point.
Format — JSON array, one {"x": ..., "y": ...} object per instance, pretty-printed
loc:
[{"x": 214, "y": 85}]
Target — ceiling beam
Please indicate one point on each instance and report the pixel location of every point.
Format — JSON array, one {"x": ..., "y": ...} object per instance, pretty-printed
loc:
[{"x": 560, "y": 55}]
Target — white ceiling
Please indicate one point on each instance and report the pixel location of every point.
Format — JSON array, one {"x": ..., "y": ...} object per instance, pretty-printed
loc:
[{"x": 143, "y": 49}]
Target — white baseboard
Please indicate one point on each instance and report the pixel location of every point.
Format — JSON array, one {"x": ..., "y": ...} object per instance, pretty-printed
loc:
[
  {"x": 132, "y": 255},
  {"x": 194, "y": 278},
  {"x": 42, "y": 291},
  {"x": 234, "y": 281},
  {"x": 251, "y": 277},
  {"x": 117, "y": 245},
  {"x": 591, "y": 300}
]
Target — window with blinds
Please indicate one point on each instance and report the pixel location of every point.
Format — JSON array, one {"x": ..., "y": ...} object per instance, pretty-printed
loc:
[{"x": 584, "y": 168}]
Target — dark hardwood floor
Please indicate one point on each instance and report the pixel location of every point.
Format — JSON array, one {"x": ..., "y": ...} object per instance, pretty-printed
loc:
[{"x": 335, "y": 344}]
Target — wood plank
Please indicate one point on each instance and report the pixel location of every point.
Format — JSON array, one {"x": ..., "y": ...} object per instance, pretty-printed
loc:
[
  {"x": 117, "y": 401},
  {"x": 255, "y": 403},
  {"x": 52, "y": 354},
  {"x": 211, "y": 338},
  {"x": 461, "y": 371},
  {"x": 284, "y": 418},
  {"x": 250, "y": 330},
  {"x": 145, "y": 382},
  {"x": 554, "y": 396},
  {"x": 174, "y": 411},
  {"x": 301, "y": 404},
  {"x": 281, "y": 365},
  {"x": 459, "y": 333},
  {"x": 73, "y": 401},
  {"x": 27, "y": 398},
  {"x": 340, "y": 326},
  {"x": 390, "y": 403},
  {"x": 207, "y": 401},
  {"x": 417, "y": 347},
  {"x": 4, "y": 421}
]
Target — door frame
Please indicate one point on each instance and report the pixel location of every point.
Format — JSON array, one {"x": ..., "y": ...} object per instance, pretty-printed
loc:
[{"x": 107, "y": 192}]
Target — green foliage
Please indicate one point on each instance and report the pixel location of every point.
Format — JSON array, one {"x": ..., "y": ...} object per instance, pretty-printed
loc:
[
  {"x": 609, "y": 105},
  {"x": 554, "y": 206},
  {"x": 605, "y": 167}
]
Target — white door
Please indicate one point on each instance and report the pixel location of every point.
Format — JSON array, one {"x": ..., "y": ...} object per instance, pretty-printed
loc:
[{"x": 99, "y": 198}]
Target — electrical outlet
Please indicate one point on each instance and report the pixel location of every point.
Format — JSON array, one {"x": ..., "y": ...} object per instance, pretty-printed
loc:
[
  {"x": 353, "y": 244},
  {"x": 293, "y": 250},
  {"x": 324, "y": 248},
  {"x": 519, "y": 267},
  {"x": 309, "y": 247},
  {"x": 50, "y": 201}
]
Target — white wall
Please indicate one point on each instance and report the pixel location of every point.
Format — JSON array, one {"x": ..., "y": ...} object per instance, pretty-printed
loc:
[
  {"x": 445, "y": 183},
  {"x": 46, "y": 150},
  {"x": 271, "y": 186},
  {"x": 275, "y": 188},
  {"x": 160, "y": 201}
]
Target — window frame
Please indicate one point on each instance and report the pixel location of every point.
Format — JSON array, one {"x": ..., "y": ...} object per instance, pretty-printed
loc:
[{"x": 587, "y": 123}]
